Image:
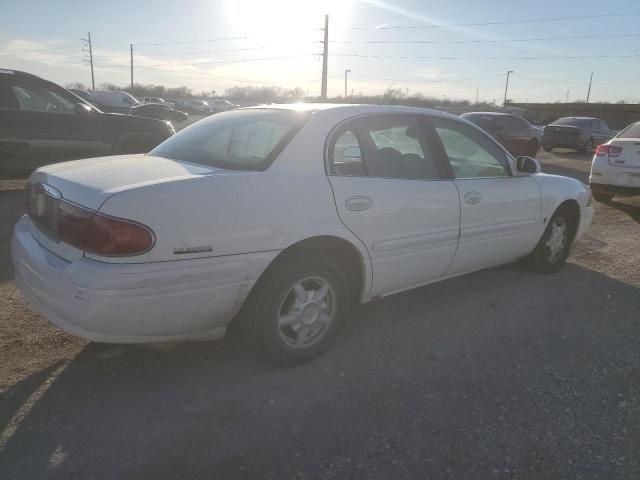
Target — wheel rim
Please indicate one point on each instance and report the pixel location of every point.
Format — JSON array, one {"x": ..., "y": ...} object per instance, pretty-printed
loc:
[
  {"x": 306, "y": 312},
  {"x": 557, "y": 240},
  {"x": 590, "y": 146}
]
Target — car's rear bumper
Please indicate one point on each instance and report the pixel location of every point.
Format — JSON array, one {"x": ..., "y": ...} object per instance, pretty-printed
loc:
[
  {"x": 134, "y": 303},
  {"x": 615, "y": 179},
  {"x": 563, "y": 142}
]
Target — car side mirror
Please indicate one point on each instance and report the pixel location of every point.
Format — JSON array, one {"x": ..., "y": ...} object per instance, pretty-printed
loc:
[
  {"x": 83, "y": 109},
  {"x": 352, "y": 152},
  {"x": 528, "y": 165}
]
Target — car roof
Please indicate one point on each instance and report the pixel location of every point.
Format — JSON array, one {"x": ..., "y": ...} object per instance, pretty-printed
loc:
[
  {"x": 353, "y": 109},
  {"x": 495, "y": 114},
  {"x": 18, "y": 73},
  {"x": 581, "y": 118}
]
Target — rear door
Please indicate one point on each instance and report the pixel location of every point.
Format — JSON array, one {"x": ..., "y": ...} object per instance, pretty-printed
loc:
[
  {"x": 500, "y": 213},
  {"x": 392, "y": 192}
]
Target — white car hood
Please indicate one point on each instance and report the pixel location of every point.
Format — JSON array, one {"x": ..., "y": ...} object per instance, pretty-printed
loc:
[{"x": 90, "y": 182}]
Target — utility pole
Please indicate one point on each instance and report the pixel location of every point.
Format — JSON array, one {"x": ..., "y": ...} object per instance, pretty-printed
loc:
[
  {"x": 589, "y": 91},
  {"x": 566, "y": 98},
  {"x": 345, "y": 83},
  {"x": 476, "y": 96},
  {"x": 325, "y": 58},
  {"x": 131, "y": 45},
  {"x": 86, "y": 42},
  {"x": 506, "y": 88}
]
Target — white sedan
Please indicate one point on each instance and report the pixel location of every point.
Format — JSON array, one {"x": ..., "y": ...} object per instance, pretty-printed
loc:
[
  {"x": 282, "y": 217},
  {"x": 615, "y": 169}
]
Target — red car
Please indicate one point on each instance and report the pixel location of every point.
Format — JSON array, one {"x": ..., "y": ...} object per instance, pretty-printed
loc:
[{"x": 513, "y": 132}]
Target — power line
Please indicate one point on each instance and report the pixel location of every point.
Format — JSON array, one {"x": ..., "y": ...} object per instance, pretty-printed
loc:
[
  {"x": 182, "y": 42},
  {"x": 532, "y": 39},
  {"x": 501, "y": 22},
  {"x": 420, "y": 57},
  {"x": 545, "y": 80},
  {"x": 212, "y": 62},
  {"x": 446, "y": 80}
]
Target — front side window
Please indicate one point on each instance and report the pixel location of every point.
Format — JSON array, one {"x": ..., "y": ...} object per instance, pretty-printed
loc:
[
  {"x": 240, "y": 139},
  {"x": 35, "y": 98},
  {"x": 470, "y": 153},
  {"x": 384, "y": 146}
]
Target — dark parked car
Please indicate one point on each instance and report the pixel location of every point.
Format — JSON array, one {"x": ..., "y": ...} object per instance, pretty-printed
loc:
[
  {"x": 583, "y": 134},
  {"x": 83, "y": 94},
  {"x": 159, "y": 112},
  {"x": 515, "y": 134},
  {"x": 42, "y": 123}
]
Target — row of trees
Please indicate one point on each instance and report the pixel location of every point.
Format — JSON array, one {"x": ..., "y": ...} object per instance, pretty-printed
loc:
[{"x": 272, "y": 94}]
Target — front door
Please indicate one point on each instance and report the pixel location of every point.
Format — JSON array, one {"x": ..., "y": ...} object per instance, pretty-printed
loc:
[
  {"x": 500, "y": 212},
  {"x": 392, "y": 192}
]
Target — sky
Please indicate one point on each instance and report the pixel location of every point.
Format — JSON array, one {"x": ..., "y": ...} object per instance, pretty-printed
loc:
[{"x": 459, "y": 49}]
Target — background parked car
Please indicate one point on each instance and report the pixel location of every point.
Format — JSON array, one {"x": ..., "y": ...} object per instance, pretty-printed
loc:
[
  {"x": 159, "y": 101},
  {"x": 615, "y": 168},
  {"x": 513, "y": 132},
  {"x": 159, "y": 112},
  {"x": 116, "y": 102},
  {"x": 583, "y": 134},
  {"x": 222, "y": 106},
  {"x": 42, "y": 123},
  {"x": 199, "y": 107},
  {"x": 83, "y": 94}
]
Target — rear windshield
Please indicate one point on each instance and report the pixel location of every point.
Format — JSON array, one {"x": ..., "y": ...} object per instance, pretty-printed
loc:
[
  {"x": 239, "y": 140},
  {"x": 576, "y": 122},
  {"x": 632, "y": 131}
]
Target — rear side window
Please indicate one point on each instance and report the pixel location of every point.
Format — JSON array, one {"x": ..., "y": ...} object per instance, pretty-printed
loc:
[
  {"x": 383, "y": 146},
  {"x": 574, "y": 122},
  {"x": 632, "y": 131},
  {"x": 241, "y": 139}
]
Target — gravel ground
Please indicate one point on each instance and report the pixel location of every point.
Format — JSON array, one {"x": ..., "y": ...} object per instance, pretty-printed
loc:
[{"x": 498, "y": 374}]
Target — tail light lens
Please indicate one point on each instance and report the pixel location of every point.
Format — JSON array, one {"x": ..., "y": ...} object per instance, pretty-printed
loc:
[
  {"x": 87, "y": 230},
  {"x": 111, "y": 236},
  {"x": 611, "y": 151}
]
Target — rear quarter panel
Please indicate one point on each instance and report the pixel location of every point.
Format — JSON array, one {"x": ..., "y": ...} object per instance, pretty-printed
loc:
[{"x": 238, "y": 212}]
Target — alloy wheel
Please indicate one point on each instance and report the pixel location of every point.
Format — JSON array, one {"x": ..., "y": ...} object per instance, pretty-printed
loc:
[{"x": 306, "y": 312}]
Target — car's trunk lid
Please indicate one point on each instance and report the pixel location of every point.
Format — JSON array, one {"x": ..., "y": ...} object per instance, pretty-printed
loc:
[
  {"x": 90, "y": 182},
  {"x": 630, "y": 155}
]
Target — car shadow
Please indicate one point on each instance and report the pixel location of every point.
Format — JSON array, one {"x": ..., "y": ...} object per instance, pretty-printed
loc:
[
  {"x": 632, "y": 210},
  {"x": 456, "y": 376}
]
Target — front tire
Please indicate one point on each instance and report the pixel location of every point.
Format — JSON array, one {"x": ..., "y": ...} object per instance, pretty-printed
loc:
[
  {"x": 547, "y": 148},
  {"x": 554, "y": 246},
  {"x": 299, "y": 307}
]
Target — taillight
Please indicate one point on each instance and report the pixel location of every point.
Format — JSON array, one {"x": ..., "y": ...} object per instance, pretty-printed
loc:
[
  {"x": 611, "y": 151},
  {"x": 111, "y": 236}
]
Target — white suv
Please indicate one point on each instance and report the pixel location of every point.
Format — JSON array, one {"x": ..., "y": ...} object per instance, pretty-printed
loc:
[{"x": 616, "y": 166}]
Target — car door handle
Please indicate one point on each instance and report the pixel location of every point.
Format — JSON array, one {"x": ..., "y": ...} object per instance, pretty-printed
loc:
[
  {"x": 358, "y": 204},
  {"x": 472, "y": 197}
]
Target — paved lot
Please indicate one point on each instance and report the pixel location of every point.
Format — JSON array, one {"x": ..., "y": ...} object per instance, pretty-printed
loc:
[{"x": 498, "y": 374}]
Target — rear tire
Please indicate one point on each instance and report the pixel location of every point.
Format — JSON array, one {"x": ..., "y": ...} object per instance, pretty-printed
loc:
[
  {"x": 298, "y": 307},
  {"x": 602, "y": 197},
  {"x": 547, "y": 148},
  {"x": 532, "y": 148},
  {"x": 554, "y": 246}
]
